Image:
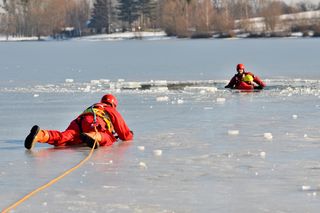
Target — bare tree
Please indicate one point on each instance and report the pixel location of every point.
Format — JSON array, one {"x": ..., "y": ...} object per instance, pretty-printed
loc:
[
  {"x": 271, "y": 10},
  {"x": 167, "y": 17},
  {"x": 9, "y": 19},
  {"x": 181, "y": 10},
  {"x": 78, "y": 15},
  {"x": 38, "y": 17},
  {"x": 203, "y": 18},
  {"x": 223, "y": 19}
]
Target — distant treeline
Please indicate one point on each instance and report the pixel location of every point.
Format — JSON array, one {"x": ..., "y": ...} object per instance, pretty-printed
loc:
[{"x": 182, "y": 18}]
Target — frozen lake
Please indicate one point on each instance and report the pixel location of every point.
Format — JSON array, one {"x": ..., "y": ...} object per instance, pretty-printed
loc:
[{"x": 222, "y": 151}]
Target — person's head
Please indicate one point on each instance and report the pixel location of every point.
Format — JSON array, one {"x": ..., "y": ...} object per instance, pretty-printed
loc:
[
  {"x": 240, "y": 68},
  {"x": 109, "y": 99}
]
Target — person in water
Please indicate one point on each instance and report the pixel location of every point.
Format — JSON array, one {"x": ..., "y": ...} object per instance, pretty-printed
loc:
[
  {"x": 100, "y": 123},
  {"x": 245, "y": 80}
]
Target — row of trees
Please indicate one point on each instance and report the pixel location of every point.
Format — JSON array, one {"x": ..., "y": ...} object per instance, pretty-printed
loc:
[
  {"x": 42, "y": 17},
  {"x": 184, "y": 18},
  {"x": 110, "y": 15},
  {"x": 201, "y": 18}
]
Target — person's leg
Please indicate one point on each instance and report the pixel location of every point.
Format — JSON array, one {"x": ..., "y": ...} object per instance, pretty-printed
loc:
[
  {"x": 53, "y": 137},
  {"x": 58, "y": 138},
  {"x": 70, "y": 136},
  {"x": 107, "y": 139}
]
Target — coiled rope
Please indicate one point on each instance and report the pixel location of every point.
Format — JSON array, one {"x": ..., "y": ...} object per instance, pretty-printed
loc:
[{"x": 14, "y": 205}]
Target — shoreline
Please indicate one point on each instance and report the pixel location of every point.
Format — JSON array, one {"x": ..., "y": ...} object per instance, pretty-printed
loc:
[{"x": 160, "y": 35}]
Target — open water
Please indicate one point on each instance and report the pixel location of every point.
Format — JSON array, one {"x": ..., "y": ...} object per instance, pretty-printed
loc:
[{"x": 198, "y": 147}]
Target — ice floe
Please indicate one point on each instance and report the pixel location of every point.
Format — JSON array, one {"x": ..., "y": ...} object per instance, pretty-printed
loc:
[
  {"x": 268, "y": 135},
  {"x": 233, "y": 132}
]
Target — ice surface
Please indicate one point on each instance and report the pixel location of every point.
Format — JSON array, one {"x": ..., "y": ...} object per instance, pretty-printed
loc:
[
  {"x": 202, "y": 168},
  {"x": 221, "y": 100}
]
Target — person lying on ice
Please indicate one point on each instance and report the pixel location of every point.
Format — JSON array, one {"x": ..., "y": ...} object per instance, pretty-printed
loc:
[
  {"x": 245, "y": 80},
  {"x": 100, "y": 122}
]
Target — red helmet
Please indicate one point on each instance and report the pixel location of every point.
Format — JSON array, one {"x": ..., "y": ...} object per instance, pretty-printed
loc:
[
  {"x": 109, "y": 99},
  {"x": 240, "y": 67}
]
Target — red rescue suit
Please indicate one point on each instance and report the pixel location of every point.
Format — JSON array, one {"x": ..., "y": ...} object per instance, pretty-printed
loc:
[
  {"x": 237, "y": 82},
  {"x": 111, "y": 127}
]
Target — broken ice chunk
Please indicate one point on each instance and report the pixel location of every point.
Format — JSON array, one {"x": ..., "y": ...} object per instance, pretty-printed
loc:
[
  {"x": 267, "y": 136},
  {"x": 157, "y": 152},
  {"x": 233, "y": 132}
]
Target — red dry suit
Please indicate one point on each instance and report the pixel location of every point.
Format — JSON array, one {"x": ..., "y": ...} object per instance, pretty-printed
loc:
[
  {"x": 105, "y": 118},
  {"x": 237, "y": 82}
]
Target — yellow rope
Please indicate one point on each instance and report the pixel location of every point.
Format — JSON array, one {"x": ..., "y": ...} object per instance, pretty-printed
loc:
[{"x": 52, "y": 181}]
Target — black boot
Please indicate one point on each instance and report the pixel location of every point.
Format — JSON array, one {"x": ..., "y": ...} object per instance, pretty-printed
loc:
[
  {"x": 30, "y": 139},
  {"x": 89, "y": 140}
]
